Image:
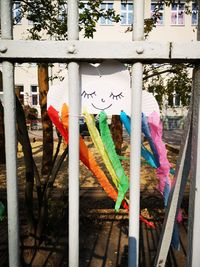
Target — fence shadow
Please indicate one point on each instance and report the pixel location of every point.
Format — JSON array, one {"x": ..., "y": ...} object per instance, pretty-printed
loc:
[{"x": 103, "y": 238}]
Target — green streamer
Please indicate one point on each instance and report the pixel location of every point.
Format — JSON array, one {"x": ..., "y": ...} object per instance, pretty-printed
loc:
[
  {"x": 96, "y": 139},
  {"x": 123, "y": 158},
  {"x": 110, "y": 148}
]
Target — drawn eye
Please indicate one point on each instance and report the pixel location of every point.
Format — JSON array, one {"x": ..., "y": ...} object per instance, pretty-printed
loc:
[
  {"x": 116, "y": 97},
  {"x": 86, "y": 95}
]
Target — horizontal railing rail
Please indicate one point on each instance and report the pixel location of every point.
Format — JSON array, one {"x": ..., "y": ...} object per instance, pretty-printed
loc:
[{"x": 94, "y": 51}]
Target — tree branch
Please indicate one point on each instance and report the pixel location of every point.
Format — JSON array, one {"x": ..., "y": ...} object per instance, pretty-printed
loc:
[{"x": 159, "y": 73}]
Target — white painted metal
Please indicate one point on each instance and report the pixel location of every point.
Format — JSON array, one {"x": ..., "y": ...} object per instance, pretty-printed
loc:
[
  {"x": 194, "y": 215},
  {"x": 194, "y": 203},
  {"x": 138, "y": 29},
  {"x": 74, "y": 111},
  {"x": 190, "y": 158},
  {"x": 182, "y": 172},
  {"x": 185, "y": 50},
  {"x": 6, "y": 20},
  {"x": 138, "y": 52},
  {"x": 62, "y": 51},
  {"x": 10, "y": 140},
  {"x": 134, "y": 193},
  {"x": 66, "y": 50}
]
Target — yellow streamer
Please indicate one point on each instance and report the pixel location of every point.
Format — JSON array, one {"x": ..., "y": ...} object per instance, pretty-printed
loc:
[{"x": 96, "y": 139}]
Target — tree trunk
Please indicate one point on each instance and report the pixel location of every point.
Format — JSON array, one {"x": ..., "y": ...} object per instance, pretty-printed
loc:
[
  {"x": 23, "y": 138},
  {"x": 117, "y": 133},
  {"x": 2, "y": 136},
  {"x": 46, "y": 122}
]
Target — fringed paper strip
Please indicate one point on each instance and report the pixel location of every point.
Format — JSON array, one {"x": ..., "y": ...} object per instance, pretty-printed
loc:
[
  {"x": 94, "y": 133},
  {"x": 144, "y": 152},
  {"x": 87, "y": 157},
  {"x": 110, "y": 148}
]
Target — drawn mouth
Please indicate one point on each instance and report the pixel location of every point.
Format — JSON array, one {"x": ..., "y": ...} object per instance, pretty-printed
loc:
[{"x": 102, "y": 108}]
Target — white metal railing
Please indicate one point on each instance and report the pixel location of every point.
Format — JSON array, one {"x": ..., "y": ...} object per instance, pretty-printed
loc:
[
  {"x": 137, "y": 52},
  {"x": 136, "y": 104},
  {"x": 95, "y": 51},
  {"x": 10, "y": 139},
  {"x": 74, "y": 103}
]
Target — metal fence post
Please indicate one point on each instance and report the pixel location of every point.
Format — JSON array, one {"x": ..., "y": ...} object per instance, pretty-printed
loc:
[
  {"x": 137, "y": 81},
  {"x": 10, "y": 138},
  {"x": 194, "y": 216},
  {"x": 74, "y": 111}
]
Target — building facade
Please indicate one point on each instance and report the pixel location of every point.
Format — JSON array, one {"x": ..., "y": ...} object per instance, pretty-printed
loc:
[{"x": 173, "y": 25}]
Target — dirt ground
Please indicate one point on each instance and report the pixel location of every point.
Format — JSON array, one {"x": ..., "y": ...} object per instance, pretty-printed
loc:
[{"x": 34, "y": 255}]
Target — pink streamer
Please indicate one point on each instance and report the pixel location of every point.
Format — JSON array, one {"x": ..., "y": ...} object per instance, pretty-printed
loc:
[{"x": 163, "y": 171}]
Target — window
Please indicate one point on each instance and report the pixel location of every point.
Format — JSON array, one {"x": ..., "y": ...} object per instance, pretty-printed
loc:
[
  {"x": 126, "y": 13},
  {"x": 177, "y": 100},
  {"x": 174, "y": 100},
  {"x": 34, "y": 89},
  {"x": 157, "y": 10},
  {"x": 34, "y": 100},
  {"x": 171, "y": 100},
  {"x": 19, "y": 89},
  {"x": 194, "y": 14},
  {"x": 62, "y": 12},
  {"x": 17, "y": 12},
  {"x": 177, "y": 14},
  {"x": 34, "y": 95},
  {"x": 106, "y": 6},
  {"x": 83, "y": 5}
]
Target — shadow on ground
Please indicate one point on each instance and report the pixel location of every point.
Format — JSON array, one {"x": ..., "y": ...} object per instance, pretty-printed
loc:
[{"x": 103, "y": 236}]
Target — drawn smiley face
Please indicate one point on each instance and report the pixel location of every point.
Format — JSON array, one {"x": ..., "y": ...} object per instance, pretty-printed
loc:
[
  {"x": 102, "y": 102},
  {"x": 105, "y": 88}
]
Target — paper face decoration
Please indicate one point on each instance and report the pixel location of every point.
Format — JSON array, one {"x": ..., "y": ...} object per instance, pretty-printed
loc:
[{"x": 105, "y": 87}]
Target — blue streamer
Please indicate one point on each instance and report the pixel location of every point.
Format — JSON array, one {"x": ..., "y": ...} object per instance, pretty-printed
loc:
[
  {"x": 145, "y": 153},
  {"x": 153, "y": 160},
  {"x": 147, "y": 133}
]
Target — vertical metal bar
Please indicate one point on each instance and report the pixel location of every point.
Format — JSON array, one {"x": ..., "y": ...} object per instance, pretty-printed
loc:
[
  {"x": 182, "y": 172},
  {"x": 194, "y": 203},
  {"x": 10, "y": 139},
  {"x": 74, "y": 110},
  {"x": 137, "y": 73},
  {"x": 193, "y": 258},
  {"x": 138, "y": 25},
  {"x": 181, "y": 175},
  {"x": 6, "y": 20}
]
